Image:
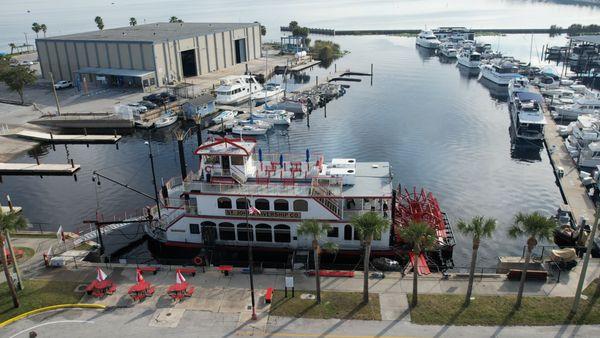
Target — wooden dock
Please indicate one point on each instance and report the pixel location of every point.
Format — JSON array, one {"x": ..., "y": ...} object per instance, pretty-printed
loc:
[
  {"x": 303, "y": 66},
  {"x": 62, "y": 138},
  {"x": 570, "y": 184},
  {"x": 25, "y": 169}
]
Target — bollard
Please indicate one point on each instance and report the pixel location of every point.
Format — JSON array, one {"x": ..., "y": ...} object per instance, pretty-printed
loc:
[
  {"x": 85, "y": 131},
  {"x": 37, "y": 160}
]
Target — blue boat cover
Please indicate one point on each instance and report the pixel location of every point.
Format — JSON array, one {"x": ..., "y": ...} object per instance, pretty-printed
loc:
[{"x": 525, "y": 96}]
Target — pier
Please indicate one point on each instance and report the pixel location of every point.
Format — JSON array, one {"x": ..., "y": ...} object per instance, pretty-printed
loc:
[
  {"x": 60, "y": 138},
  {"x": 25, "y": 169},
  {"x": 572, "y": 190}
]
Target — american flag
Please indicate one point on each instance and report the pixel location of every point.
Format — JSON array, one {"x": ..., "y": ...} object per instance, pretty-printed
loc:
[{"x": 253, "y": 211}]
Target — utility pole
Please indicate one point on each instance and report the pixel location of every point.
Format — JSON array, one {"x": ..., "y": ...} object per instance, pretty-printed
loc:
[
  {"x": 586, "y": 260},
  {"x": 250, "y": 258},
  {"x": 149, "y": 143},
  {"x": 54, "y": 92}
]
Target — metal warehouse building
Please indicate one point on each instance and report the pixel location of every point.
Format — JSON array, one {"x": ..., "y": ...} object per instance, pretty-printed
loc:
[{"x": 150, "y": 55}]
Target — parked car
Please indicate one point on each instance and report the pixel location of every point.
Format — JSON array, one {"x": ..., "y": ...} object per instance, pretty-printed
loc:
[
  {"x": 149, "y": 105},
  {"x": 26, "y": 63},
  {"x": 155, "y": 98},
  {"x": 166, "y": 96},
  {"x": 63, "y": 84},
  {"x": 139, "y": 107}
]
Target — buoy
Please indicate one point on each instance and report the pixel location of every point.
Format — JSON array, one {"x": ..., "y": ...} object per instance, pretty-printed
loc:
[{"x": 198, "y": 260}]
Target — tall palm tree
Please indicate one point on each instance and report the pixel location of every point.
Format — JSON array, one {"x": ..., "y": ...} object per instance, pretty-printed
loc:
[
  {"x": 36, "y": 28},
  {"x": 9, "y": 221},
  {"x": 132, "y": 21},
  {"x": 536, "y": 227},
  {"x": 44, "y": 28},
  {"x": 316, "y": 230},
  {"x": 420, "y": 236},
  {"x": 99, "y": 22},
  {"x": 369, "y": 225},
  {"x": 478, "y": 228}
]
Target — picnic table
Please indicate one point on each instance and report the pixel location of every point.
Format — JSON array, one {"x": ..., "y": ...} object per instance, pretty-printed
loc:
[
  {"x": 225, "y": 269},
  {"x": 180, "y": 291},
  {"x": 99, "y": 289},
  {"x": 141, "y": 290}
]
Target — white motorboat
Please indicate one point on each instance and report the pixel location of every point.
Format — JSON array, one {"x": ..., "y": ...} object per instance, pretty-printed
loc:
[
  {"x": 257, "y": 123},
  {"x": 528, "y": 119},
  {"x": 469, "y": 58},
  {"x": 271, "y": 91},
  {"x": 226, "y": 115},
  {"x": 589, "y": 104},
  {"x": 448, "y": 50},
  {"x": 277, "y": 117},
  {"x": 235, "y": 89},
  {"x": 518, "y": 85},
  {"x": 294, "y": 106},
  {"x": 248, "y": 129},
  {"x": 500, "y": 72},
  {"x": 165, "y": 120},
  {"x": 427, "y": 39}
]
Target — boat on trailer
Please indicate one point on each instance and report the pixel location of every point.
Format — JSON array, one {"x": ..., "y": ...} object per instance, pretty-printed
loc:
[{"x": 240, "y": 193}]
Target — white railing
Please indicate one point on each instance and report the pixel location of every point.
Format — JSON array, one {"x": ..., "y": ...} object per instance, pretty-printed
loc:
[{"x": 250, "y": 189}]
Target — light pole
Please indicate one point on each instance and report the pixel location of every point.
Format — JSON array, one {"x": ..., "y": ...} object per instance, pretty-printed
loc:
[
  {"x": 250, "y": 259},
  {"x": 149, "y": 143}
]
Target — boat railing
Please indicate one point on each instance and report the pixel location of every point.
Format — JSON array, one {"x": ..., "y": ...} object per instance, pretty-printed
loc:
[{"x": 249, "y": 189}]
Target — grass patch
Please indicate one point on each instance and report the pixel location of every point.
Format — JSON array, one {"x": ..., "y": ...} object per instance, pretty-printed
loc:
[
  {"x": 499, "y": 310},
  {"x": 341, "y": 305},
  {"x": 27, "y": 253},
  {"x": 85, "y": 246},
  {"x": 37, "y": 294},
  {"x": 31, "y": 235}
]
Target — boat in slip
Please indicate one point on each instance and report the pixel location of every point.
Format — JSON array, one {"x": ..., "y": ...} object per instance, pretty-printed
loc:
[
  {"x": 500, "y": 72},
  {"x": 166, "y": 120},
  {"x": 248, "y": 129},
  {"x": 427, "y": 39},
  {"x": 226, "y": 115},
  {"x": 236, "y": 89},
  {"x": 588, "y": 104},
  {"x": 242, "y": 193},
  {"x": 469, "y": 58},
  {"x": 277, "y": 117},
  {"x": 527, "y": 117},
  {"x": 271, "y": 92},
  {"x": 518, "y": 85},
  {"x": 448, "y": 50}
]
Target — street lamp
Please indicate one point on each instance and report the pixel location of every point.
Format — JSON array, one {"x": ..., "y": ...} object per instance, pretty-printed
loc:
[
  {"x": 250, "y": 258},
  {"x": 149, "y": 144}
]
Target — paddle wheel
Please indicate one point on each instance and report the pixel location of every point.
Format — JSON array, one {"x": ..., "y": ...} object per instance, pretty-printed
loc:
[{"x": 422, "y": 206}]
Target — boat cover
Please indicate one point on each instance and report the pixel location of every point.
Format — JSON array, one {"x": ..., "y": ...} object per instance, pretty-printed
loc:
[
  {"x": 566, "y": 255},
  {"x": 525, "y": 96}
]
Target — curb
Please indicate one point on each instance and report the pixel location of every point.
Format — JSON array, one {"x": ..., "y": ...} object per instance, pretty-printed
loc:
[{"x": 50, "y": 308}]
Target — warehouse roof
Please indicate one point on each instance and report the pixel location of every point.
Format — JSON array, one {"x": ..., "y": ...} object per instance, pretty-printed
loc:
[{"x": 154, "y": 32}]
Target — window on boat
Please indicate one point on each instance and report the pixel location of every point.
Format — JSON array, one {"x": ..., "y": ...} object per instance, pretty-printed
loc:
[
  {"x": 281, "y": 205},
  {"x": 263, "y": 233},
  {"x": 243, "y": 230},
  {"x": 195, "y": 228},
  {"x": 237, "y": 160},
  {"x": 348, "y": 232},
  {"x": 226, "y": 232},
  {"x": 241, "y": 203},
  {"x": 223, "y": 203},
  {"x": 282, "y": 233},
  {"x": 356, "y": 235},
  {"x": 211, "y": 159},
  {"x": 262, "y": 204},
  {"x": 333, "y": 232},
  {"x": 300, "y": 205}
]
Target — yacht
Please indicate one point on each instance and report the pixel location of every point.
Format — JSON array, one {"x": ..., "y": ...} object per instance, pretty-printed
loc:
[
  {"x": 500, "y": 72},
  {"x": 427, "y": 39},
  {"x": 237, "y": 88},
  {"x": 518, "y": 85},
  {"x": 469, "y": 58},
  {"x": 583, "y": 131},
  {"x": 448, "y": 50},
  {"x": 589, "y": 156},
  {"x": 589, "y": 104},
  {"x": 271, "y": 91},
  {"x": 454, "y": 33},
  {"x": 242, "y": 194},
  {"x": 527, "y": 118},
  {"x": 165, "y": 120}
]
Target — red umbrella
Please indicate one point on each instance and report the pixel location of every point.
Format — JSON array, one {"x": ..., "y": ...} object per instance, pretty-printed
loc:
[
  {"x": 138, "y": 276},
  {"x": 100, "y": 275}
]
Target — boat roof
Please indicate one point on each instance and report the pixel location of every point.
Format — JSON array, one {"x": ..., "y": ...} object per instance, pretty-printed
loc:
[
  {"x": 371, "y": 179},
  {"x": 227, "y": 146},
  {"x": 530, "y": 96},
  {"x": 532, "y": 117}
]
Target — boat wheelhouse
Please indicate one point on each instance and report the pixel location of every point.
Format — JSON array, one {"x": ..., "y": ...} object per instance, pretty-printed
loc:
[
  {"x": 454, "y": 33},
  {"x": 241, "y": 194}
]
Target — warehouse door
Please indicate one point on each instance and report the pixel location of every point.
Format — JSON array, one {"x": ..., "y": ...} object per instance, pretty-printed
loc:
[
  {"x": 240, "y": 51},
  {"x": 188, "y": 63}
]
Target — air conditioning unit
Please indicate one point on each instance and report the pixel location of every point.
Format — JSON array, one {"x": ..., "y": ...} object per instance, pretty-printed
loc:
[
  {"x": 348, "y": 175},
  {"x": 343, "y": 163}
]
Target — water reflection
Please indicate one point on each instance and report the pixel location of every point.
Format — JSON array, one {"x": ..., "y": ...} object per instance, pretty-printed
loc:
[
  {"x": 425, "y": 53},
  {"x": 524, "y": 150},
  {"x": 445, "y": 59},
  {"x": 497, "y": 92},
  {"x": 467, "y": 72}
]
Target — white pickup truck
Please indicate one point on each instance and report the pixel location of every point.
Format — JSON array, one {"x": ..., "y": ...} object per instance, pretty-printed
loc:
[{"x": 63, "y": 84}]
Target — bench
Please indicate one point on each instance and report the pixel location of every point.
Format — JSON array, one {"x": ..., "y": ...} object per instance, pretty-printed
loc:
[
  {"x": 188, "y": 271},
  {"x": 152, "y": 269},
  {"x": 269, "y": 296},
  {"x": 225, "y": 269},
  {"x": 537, "y": 275}
]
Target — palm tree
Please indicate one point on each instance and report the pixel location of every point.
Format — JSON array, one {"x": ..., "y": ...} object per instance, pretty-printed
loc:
[
  {"x": 99, "y": 22},
  {"x": 36, "y": 28},
  {"x": 175, "y": 19},
  {"x": 316, "y": 230},
  {"x": 12, "y": 46},
  {"x": 132, "y": 22},
  {"x": 536, "y": 227},
  {"x": 44, "y": 28},
  {"x": 477, "y": 228},
  {"x": 421, "y": 237},
  {"x": 369, "y": 225},
  {"x": 9, "y": 222}
]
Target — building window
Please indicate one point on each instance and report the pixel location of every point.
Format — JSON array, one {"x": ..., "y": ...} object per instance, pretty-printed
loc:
[
  {"x": 282, "y": 233},
  {"x": 262, "y": 204},
  {"x": 223, "y": 203},
  {"x": 194, "y": 229},
  {"x": 281, "y": 205},
  {"x": 356, "y": 235},
  {"x": 241, "y": 203},
  {"x": 300, "y": 205},
  {"x": 333, "y": 232},
  {"x": 243, "y": 229},
  {"x": 226, "y": 232},
  {"x": 263, "y": 233},
  {"x": 348, "y": 232}
]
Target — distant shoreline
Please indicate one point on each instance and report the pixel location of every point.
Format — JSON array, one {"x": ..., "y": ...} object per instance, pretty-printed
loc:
[{"x": 410, "y": 32}]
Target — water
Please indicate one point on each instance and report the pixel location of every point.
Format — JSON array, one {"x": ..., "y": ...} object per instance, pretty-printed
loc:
[
  {"x": 72, "y": 16},
  {"x": 439, "y": 127}
]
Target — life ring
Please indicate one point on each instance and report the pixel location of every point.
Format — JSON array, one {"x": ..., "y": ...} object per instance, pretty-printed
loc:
[
  {"x": 198, "y": 260},
  {"x": 208, "y": 169}
]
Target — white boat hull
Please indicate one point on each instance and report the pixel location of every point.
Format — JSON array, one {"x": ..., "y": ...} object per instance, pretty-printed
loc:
[
  {"x": 497, "y": 78},
  {"x": 469, "y": 64}
]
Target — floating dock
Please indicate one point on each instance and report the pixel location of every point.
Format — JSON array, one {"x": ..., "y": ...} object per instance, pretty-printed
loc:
[
  {"x": 573, "y": 191},
  {"x": 61, "y": 138},
  {"x": 38, "y": 169},
  {"x": 303, "y": 66}
]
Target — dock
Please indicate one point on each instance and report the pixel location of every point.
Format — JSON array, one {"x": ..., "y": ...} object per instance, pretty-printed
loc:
[
  {"x": 573, "y": 191},
  {"x": 63, "y": 138},
  {"x": 303, "y": 66},
  {"x": 38, "y": 169}
]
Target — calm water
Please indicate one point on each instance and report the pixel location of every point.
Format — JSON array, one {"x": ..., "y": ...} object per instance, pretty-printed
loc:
[
  {"x": 72, "y": 16},
  {"x": 439, "y": 127}
]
